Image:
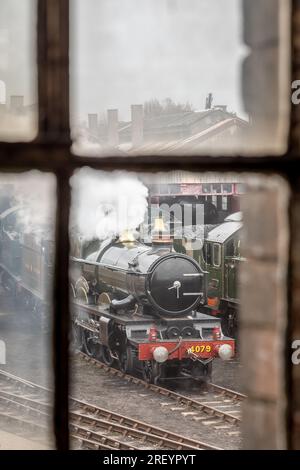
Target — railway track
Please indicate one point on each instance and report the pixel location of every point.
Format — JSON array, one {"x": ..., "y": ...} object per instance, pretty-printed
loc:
[
  {"x": 23, "y": 403},
  {"x": 237, "y": 396},
  {"x": 216, "y": 406}
]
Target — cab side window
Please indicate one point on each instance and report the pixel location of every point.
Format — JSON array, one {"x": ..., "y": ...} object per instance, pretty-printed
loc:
[
  {"x": 207, "y": 252},
  {"x": 233, "y": 248},
  {"x": 229, "y": 248}
]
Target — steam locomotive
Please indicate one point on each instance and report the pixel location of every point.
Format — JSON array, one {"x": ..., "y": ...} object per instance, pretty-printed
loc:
[
  {"x": 138, "y": 306},
  {"x": 26, "y": 268},
  {"x": 134, "y": 306}
]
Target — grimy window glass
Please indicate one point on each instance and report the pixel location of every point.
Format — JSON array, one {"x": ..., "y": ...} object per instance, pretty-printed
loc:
[
  {"x": 138, "y": 267},
  {"x": 18, "y": 74},
  {"x": 158, "y": 78},
  {"x": 217, "y": 255},
  {"x": 27, "y": 244},
  {"x": 262, "y": 25}
]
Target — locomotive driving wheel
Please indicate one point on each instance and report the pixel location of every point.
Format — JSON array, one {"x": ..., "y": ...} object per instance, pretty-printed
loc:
[
  {"x": 229, "y": 323},
  {"x": 107, "y": 357},
  {"x": 151, "y": 371},
  {"x": 126, "y": 360}
]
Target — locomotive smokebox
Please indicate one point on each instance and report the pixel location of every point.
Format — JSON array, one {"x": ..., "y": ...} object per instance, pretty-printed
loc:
[{"x": 173, "y": 284}]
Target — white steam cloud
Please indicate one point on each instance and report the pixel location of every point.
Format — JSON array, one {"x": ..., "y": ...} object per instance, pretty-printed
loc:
[
  {"x": 106, "y": 204},
  {"x": 35, "y": 195}
]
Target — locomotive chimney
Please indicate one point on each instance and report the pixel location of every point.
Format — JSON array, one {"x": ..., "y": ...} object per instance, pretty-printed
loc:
[
  {"x": 161, "y": 235},
  {"x": 159, "y": 225},
  {"x": 137, "y": 124}
]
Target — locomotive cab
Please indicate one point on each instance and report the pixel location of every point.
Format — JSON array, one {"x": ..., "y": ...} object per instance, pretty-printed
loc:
[{"x": 221, "y": 259}]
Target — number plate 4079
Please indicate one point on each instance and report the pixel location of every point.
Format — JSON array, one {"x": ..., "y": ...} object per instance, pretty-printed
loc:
[{"x": 200, "y": 348}]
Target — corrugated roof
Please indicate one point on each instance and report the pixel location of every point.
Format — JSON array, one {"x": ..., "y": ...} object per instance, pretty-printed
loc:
[
  {"x": 222, "y": 232},
  {"x": 184, "y": 119},
  {"x": 190, "y": 143},
  {"x": 175, "y": 120},
  {"x": 202, "y": 136}
]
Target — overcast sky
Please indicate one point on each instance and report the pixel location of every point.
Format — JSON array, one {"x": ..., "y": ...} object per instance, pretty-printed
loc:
[
  {"x": 17, "y": 48},
  {"x": 128, "y": 51}
]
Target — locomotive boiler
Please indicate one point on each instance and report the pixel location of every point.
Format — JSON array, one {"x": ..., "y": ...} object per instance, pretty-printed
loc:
[
  {"x": 154, "y": 279},
  {"x": 138, "y": 306}
]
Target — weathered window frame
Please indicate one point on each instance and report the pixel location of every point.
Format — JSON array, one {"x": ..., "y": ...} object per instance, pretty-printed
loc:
[{"x": 51, "y": 152}]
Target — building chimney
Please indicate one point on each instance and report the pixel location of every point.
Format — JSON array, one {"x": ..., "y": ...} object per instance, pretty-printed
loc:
[
  {"x": 137, "y": 124},
  {"x": 93, "y": 122},
  {"x": 112, "y": 128},
  {"x": 16, "y": 103}
]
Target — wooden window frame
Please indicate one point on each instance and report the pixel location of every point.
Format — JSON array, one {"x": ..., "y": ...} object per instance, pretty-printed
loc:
[{"x": 51, "y": 152}]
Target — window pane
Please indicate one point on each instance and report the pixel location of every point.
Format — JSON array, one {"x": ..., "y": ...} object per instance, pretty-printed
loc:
[
  {"x": 18, "y": 75},
  {"x": 217, "y": 255},
  {"x": 145, "y": 301},
  {"x": 172, "y": 77},
  {"x": 139, "y": 280},
  {"x": 27, "y": 204}
]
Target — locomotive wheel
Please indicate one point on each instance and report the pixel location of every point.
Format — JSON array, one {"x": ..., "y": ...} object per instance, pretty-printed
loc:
[
  {"x": 90, "y": 346},
  {"x": 229, "y": 324},
  {"x": 126, "y": 360},
  {"x": 202, "y": 372},
  {"x": 82, "y": 295},
  {"x": 106, "y": 356},
  {"x": 151, "y": 371},
  {"x": 208, "y": 372}
]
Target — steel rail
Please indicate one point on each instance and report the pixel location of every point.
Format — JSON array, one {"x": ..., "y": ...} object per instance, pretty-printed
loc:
[
  {"x": 181, "y": 399},
  {"x": 99, "y": 418},
  {"x": 227, "y": 392},
  {"x": 78, "y": 433}
]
